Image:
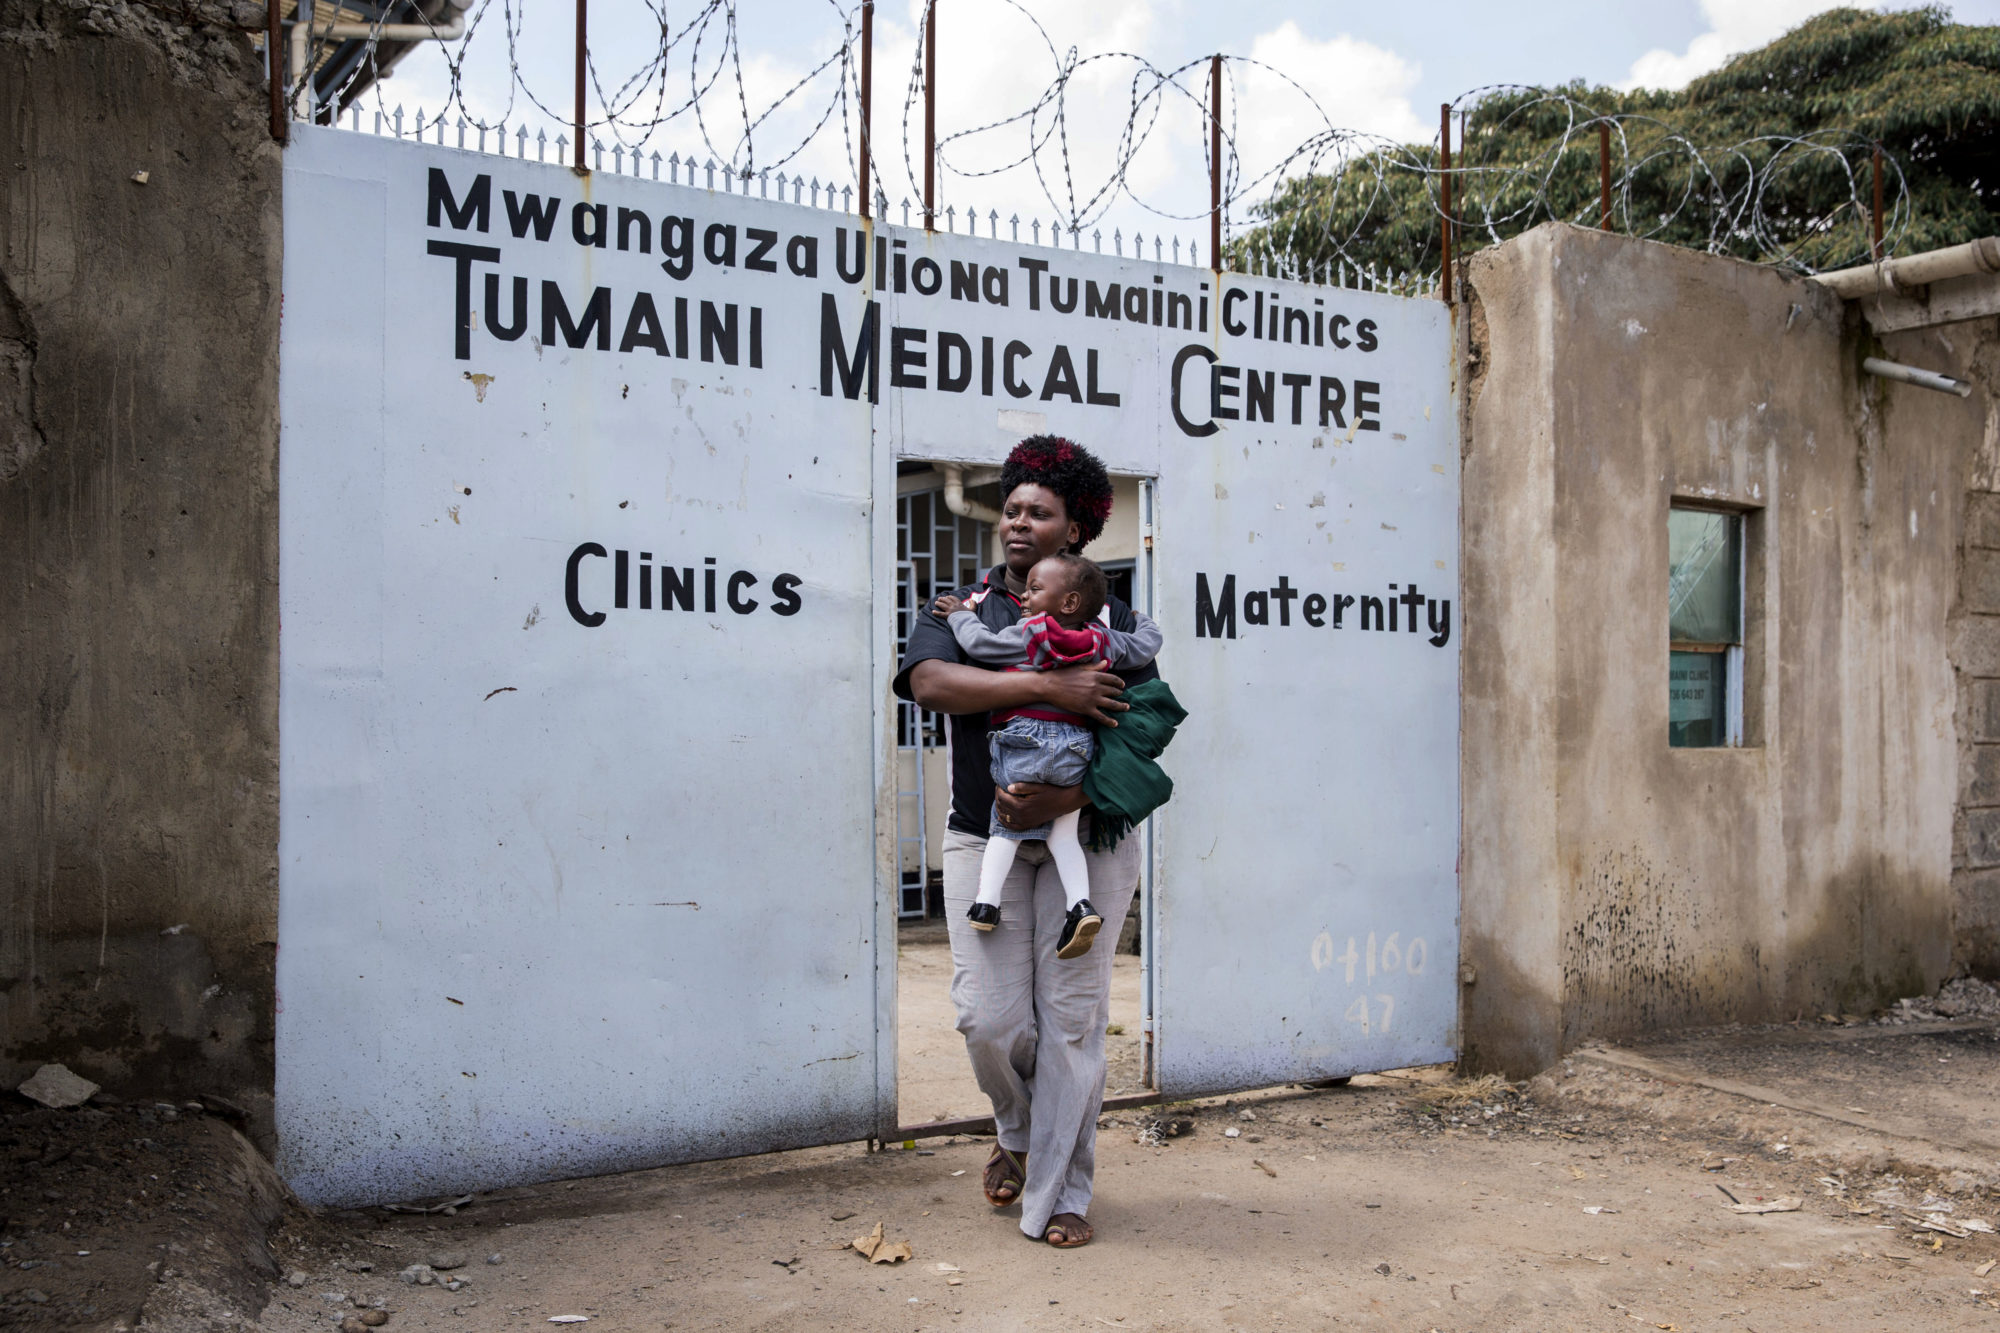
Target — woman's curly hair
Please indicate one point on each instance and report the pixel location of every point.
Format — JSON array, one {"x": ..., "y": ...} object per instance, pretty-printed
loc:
[{"x": 1068, "y": 469}]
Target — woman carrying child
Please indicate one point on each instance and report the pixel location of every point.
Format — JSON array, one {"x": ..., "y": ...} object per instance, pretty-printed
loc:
[{"x": 1033, "y": 1023}]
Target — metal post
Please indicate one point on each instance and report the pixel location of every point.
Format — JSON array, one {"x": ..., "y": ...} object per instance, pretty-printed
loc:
[
  {"x": 1604, "y": 173},
  {"x": 1215, "y": 163},
  {"x": 1444, "y": 189},
  {"x": 582, "y": 30},
  {"x": 274, "y": 51},
  {"x": 867, "y": 96},
  {"x": 930, "y": 115},
  {"x": 1875, "y": 241}
]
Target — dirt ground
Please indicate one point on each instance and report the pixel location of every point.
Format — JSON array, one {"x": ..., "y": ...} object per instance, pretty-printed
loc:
[{"x": 1597, "y": 1197}]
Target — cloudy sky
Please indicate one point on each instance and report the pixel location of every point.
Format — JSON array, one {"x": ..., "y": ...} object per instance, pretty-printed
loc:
[{"x": 1381, "y": 69}]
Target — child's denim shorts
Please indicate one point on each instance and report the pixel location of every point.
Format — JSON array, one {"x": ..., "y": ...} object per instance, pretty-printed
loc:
[{"x": 1033, "y": 749}]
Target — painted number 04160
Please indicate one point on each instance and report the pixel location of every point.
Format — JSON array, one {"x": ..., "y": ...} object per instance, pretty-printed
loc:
[{"x": 1389, "y": 957}]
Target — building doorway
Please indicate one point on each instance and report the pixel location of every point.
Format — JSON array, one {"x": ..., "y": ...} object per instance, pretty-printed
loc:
[{"x": 936, "y": 551}]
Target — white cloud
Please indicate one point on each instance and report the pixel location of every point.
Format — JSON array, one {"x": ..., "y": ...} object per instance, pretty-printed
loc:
[
  {"x": 1357, "y": 85},
  {"x": 1734, "y": 26}
]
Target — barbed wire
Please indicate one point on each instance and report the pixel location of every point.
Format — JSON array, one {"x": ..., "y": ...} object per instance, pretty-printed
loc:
[{"x": 1339, "y": 197}]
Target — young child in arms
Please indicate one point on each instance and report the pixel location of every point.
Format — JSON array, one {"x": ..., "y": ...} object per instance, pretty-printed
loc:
[{"x": 1036, "y": 743}]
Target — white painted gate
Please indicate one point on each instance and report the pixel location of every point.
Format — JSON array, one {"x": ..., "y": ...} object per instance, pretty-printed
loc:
[
  {"x": 1308, "y": 889},
  {"x": 588, "y": 848},
  {"x": 576, "y": 839}
]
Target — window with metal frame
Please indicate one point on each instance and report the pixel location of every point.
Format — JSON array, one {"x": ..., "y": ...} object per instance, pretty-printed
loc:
[
  {"x": 936, "y": 552},
  {"x": 1704, "y": 627}
]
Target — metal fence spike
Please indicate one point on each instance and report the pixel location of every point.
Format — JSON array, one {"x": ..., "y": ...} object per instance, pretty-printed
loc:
[
  {"x": 461, "y": 131},
  {"x": 993, "y": 223},
  {"x": 597, "y": 154},
  {"x": 399, "y": 120},
  {"x": 1117, "y": 242},
  {"x": 617, "y": 159},
  {"x": 847, "y": 198},
  {"x": 656, "y": 164},
  {"x": 764, "y": 185},
  {"x": 1034, "y": 224},
  {"x": 420, "y": 124},
  {"x": 906, "y": 210},
  {"x": 709, "y": 166},
  {"x": 521, "y": 141}
]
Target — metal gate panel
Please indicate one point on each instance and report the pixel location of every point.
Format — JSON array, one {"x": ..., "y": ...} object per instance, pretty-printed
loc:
[
  {"x": 1304, "y": 904},
  {"x": 574, "y": 877},
  {"x": 1308, "y": 898}
]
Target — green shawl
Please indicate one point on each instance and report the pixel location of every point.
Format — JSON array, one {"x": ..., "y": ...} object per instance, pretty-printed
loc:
[{"x": 1124, "y": 780}]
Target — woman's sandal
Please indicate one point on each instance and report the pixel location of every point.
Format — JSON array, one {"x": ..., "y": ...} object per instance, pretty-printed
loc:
[
  {"x": 1068, "y": 1231},
  {"x": 1004, "y": 1171}
]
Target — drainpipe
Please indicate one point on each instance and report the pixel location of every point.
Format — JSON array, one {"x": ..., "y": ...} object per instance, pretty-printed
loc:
[
  {"x": 307, "y": 27},
  {"x": 1900, "y": 275},
  {"x": 955, "y": 501},
  {"x": 1923, "y": 379}
]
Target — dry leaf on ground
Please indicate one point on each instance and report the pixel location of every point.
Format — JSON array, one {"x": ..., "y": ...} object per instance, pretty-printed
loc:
[{"x": 876, "y": 1250}]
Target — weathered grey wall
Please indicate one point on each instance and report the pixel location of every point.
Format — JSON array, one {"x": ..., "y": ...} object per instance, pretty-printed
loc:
[
  {"x": 1612, "y": 884},
  {"x": 1975, "y": 656},
  {"x": 138, "y": 549}
]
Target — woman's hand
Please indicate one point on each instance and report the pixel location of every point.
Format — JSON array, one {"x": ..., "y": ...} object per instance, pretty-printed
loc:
[
  {"x": 1033, "y": 804},
  {"x": 1088, "y": 691}
]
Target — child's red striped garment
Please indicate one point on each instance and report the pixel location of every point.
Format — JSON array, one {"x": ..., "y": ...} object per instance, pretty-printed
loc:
[{"x": 1051, "y": 646}]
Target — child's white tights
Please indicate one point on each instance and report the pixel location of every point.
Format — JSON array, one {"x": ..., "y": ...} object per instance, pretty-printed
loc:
[{"x": 1065, "y": 849}]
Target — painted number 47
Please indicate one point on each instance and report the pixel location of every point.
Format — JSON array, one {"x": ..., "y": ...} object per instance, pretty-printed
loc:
[{"x": 1358, "y": 1013}]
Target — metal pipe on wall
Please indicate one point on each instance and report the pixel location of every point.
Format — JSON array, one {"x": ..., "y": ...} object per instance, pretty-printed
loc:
[
  {"x": 1444, "y": 189},
  {"x": 1215, "y": 163},
  {"x": 1604, "y": 175},
  {"x": 582, "y": 38},
  {"x": 1893, "y": 275},
  {"x": 1923, "y": 379},
  {"x": 930, "y": 115},
  {"x": 867, "y": 99}
]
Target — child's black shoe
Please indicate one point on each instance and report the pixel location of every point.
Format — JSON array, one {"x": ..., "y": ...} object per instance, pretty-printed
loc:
[
  {"x": 983, "y": 916},
  {"x": 1080, "y": 927}
]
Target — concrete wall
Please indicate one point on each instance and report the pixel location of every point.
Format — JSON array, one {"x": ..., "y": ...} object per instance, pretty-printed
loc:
[
  {"x": 1614, "y": 885},
  {"x": 138, "y": 549},
  {"x": 1975, "y": 657}
]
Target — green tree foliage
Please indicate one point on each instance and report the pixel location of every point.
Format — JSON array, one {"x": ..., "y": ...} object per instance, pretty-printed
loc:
[{"x": 1767, "y": 159}]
